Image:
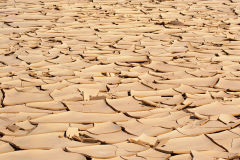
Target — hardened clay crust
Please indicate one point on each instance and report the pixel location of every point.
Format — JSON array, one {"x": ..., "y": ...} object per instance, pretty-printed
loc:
[{"x": 119, "y": 79}]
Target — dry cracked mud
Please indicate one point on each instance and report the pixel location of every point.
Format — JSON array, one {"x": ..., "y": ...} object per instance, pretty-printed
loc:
[{"x": 119, "y": 79}]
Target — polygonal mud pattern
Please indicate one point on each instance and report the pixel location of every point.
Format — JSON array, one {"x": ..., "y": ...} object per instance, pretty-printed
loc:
[{"x": 119, "y": 79}]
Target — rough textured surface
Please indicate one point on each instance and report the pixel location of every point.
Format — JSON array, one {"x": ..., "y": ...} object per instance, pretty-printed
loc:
[{"x": 119, "y": 79}]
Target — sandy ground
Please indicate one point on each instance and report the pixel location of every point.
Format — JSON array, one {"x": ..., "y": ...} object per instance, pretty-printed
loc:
[{"x": 119, "y": 79}]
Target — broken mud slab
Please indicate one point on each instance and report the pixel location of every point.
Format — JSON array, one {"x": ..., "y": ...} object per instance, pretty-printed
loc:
[{"x": 119, "y": 79}]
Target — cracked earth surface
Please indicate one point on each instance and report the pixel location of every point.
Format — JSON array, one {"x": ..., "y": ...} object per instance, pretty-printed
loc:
[{"x": 119, "y": 79}]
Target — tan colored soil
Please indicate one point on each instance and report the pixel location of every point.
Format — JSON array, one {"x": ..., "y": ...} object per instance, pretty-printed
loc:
[{"x": 119, "y": 79}]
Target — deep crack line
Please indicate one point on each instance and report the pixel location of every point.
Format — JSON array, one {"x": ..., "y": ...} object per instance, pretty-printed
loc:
[{"x": 2, "y": 97}]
